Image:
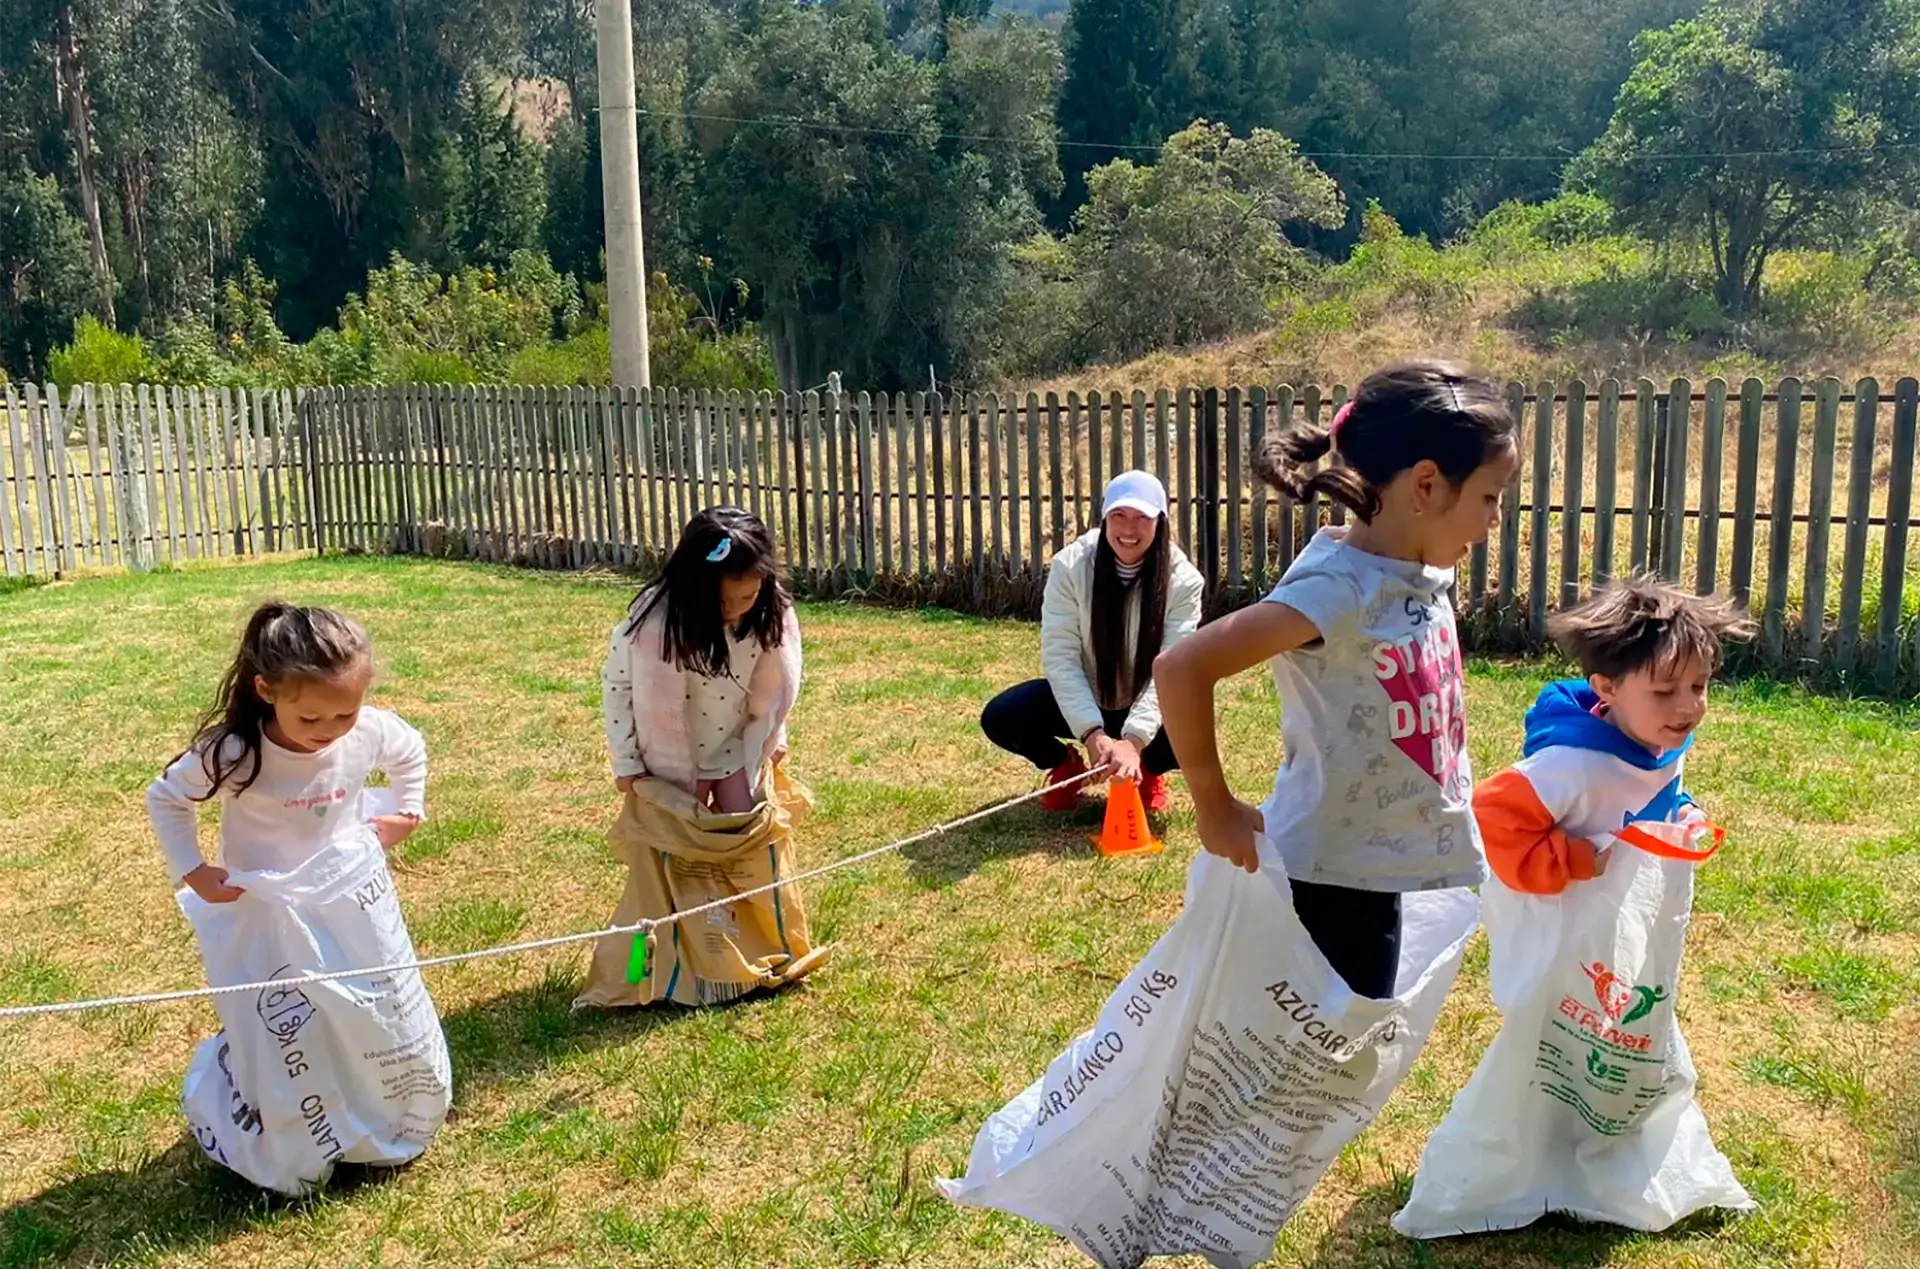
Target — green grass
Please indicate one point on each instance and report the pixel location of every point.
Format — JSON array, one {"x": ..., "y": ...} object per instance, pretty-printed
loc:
[{"x": 805, "y": 1130}]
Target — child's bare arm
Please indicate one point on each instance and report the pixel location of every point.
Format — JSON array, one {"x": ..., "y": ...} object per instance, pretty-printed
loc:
[{"x": 1187, "y": 675}]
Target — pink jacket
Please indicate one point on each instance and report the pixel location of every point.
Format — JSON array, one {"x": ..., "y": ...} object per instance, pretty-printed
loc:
[{"x": 644, "y": 695}]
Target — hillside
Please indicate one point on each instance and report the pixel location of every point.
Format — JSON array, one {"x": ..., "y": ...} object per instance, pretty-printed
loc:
[{"x": 1519, "y": 301}]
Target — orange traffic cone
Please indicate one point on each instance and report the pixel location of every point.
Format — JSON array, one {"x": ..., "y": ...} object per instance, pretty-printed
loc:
[{"x": 1126, "y": 831}]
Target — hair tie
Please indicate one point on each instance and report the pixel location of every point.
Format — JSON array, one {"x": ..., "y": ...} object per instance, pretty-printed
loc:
[
  {"x": 1340, "y": 418},
  {"x": 720, "y": 552}
]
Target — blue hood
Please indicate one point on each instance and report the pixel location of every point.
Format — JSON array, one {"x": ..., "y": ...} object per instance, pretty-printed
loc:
[{"x": 1563, "y": 716}]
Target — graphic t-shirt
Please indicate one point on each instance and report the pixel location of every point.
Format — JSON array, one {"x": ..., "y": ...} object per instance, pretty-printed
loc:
[{"x": 1375, "y": 789}]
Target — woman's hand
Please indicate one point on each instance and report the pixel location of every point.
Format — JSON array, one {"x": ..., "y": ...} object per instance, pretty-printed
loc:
[
  {"x": 625, "y": 783},
  {"x": 394, "y": 829},
  {"x": 210, "y": 883},
  {"x": 1125, "y": 757},
  {"x": 1099, "y": 754},
  {"x": 1227, "y": 829}
]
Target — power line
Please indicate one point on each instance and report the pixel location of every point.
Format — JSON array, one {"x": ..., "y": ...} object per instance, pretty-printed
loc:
[{"x": 1403, "y": 156}]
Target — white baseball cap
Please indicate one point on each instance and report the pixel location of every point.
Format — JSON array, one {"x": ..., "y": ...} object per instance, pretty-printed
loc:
[{"x": 1135, "y": 491}]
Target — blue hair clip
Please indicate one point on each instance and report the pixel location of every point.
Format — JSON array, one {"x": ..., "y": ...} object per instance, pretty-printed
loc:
[{"x": 720, "y": 552}]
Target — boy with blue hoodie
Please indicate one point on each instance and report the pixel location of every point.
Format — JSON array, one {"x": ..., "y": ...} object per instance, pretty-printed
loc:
[
  {"x": 1584, "y": 1101},
  {"x": 1609, "y": 751}
]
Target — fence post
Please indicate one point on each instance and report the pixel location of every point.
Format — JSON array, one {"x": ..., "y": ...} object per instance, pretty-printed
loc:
[
  {"x": 1746, "y": 493},
  {"x": 1236, "y": 482},
  {"x": 1893, "y": 563},
  {"x": 1209, "y": 456},
  {"x": 1786, "y": 455},
  {"x": 1657, "y": 513},
  {"x": 1606, "y": 489},
  {"x": 130, "y": 489},
  {"x": 1573, "y": 493},
  {"x": 1813, "y": 605},
  {"x": 1679, "y": 418},
  {"x": 1538, "y": 547},
  {"x": 310, "y": 470},
  {"x": 1866, "y": 419}
]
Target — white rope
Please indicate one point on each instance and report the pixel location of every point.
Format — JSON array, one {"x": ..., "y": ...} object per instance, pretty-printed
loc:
[{"x": 535, "y": 945}]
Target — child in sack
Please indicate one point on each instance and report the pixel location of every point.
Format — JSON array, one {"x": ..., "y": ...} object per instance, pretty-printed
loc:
[
  {"x": 700, "y": 679},
  {"x": 1271, "y": 1023},
  {"x": 1372, "y": 798},
  {"x": 1610, "y": 750},
  {"x": 1584, "y": 1102},
  {"x": 283, "y": 1092}
]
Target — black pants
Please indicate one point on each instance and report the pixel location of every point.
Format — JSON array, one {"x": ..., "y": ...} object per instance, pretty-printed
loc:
[
  {"x": 1027, "y": 720},
  {"x": 1357, "y": 930}
]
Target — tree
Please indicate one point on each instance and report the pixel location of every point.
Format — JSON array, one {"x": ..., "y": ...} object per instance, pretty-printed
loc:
[
  {"x": 1752, "y": 125},
  {"x": 1129, "y": 80},
  {"x": 494, "y": 185},
  {"x": 869, "y": 198},
  {"x": 354, "y": 105},
  {"x": 181, "y": 175},
  {"x": 46, "y": 275},
  {"x": 1189, "y": 248}
]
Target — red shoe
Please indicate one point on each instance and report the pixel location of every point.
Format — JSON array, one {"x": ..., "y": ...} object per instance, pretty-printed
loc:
[
  {"x": 1060, "y": 801},
  {"x": 1153, "y": 791}
]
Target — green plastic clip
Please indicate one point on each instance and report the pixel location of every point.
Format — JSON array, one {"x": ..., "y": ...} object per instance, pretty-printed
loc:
[{"x": 637, "y": 966}]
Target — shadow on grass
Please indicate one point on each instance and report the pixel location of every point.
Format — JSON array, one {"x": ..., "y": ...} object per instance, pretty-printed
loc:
[
  {"x": 179, "y": 1202},
  {"x": 523, "y": 1032},
  {"x": 1364, "y": 1235},
  {"x": 941, "y": 861},
  {"x": 172, "y": 1202}
]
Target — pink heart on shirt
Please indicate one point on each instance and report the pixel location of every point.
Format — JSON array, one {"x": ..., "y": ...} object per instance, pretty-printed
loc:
[{"x": 1427, "y": 717}]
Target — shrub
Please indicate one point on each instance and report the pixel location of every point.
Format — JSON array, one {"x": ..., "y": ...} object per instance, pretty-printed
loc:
[
  {"x": 100, "y": 354},
  {"x": 582, "y": 361}
]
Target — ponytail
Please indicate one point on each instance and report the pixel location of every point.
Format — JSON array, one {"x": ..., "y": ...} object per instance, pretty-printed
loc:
[
  {"x": 1287, "y": 457},
  {"x": 1403, "y": 415}
]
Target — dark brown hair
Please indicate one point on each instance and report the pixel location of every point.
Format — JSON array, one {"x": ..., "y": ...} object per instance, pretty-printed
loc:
[
  {"x": 1403, "y": 415},
  {"x": 718, "y": 542},
  {"x": 1110, "y": 596},
  {"x": 282, "y": 643},
  {"x": 1643, "y": 623}
]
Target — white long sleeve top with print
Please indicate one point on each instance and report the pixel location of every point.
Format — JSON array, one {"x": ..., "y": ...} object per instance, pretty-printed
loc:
[{"x": 298, "y": 805}]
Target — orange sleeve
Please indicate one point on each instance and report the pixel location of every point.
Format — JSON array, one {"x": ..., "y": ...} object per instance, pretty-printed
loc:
[{"x": 1524, "y": 848}]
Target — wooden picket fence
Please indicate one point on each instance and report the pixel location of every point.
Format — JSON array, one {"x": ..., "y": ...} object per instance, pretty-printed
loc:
[
  {"x": 105, "y": 476},
  {"x": 1796, "y": 500}
]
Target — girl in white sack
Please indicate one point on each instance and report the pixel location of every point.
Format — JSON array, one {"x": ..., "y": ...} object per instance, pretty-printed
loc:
[
  {"x": 701, "y": 676},
  {"x": 288, "y": 750},
  {"x": 1268, "y": 1026},
  {"x": 1372, "y": 799}
]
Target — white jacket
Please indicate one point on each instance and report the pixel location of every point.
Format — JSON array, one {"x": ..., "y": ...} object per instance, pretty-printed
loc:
[{"x": 1066, "y": 636}]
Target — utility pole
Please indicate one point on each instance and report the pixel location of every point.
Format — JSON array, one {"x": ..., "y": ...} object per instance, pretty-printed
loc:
[{"x": 620, "y": 178}]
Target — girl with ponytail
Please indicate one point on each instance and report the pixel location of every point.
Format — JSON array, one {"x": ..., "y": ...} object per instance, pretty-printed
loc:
[{"x": 1374, "y": 796}]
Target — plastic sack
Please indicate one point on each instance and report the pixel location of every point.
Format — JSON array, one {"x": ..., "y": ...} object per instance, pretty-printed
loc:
[
  {"x": 1225, "y": 1075},
  {"x": 1584, "y": 1103},
  {"x": 302, "y": 1078}
]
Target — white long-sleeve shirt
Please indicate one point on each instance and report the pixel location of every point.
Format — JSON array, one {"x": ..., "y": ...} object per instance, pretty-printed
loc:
[{"x": 298, "y": 805}]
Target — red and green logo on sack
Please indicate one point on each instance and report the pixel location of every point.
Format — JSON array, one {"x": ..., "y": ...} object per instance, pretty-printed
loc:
[
  {"x": 1620, "y": 1004},
  {"x": 1622, "y": 1001}
]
